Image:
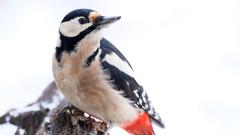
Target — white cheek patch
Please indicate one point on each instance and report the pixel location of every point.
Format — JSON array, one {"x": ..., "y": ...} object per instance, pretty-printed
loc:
[
  {"x": 117, "y": 62},
  {"x": 72, "y": 28}
]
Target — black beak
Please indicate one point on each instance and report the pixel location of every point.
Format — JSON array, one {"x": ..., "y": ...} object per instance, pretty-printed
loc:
[{"x": 103, "y": 21}]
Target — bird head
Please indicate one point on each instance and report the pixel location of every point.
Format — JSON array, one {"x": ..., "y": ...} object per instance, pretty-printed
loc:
[{"x": 82, "y": 22}]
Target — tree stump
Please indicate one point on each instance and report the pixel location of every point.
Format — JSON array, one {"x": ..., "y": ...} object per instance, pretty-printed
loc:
[{"x": 51, "y": 114}]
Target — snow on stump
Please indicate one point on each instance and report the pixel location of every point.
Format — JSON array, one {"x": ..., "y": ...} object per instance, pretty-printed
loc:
[{"x": 51, "y": 115}]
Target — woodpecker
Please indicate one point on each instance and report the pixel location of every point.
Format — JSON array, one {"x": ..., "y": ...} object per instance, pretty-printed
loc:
[{"x": 95, "y": 77}]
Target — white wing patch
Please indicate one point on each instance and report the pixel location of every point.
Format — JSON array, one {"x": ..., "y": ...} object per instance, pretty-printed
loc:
[{"x": 117, "y": 62}]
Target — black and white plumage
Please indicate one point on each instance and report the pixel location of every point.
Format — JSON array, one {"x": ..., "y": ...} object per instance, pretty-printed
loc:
[
  {"x": 122, "y": 77},
  {"x": 93, "y": 74}
]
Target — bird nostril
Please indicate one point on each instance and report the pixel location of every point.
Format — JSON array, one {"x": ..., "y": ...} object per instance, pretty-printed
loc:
[{"x": 98, "y": 19}]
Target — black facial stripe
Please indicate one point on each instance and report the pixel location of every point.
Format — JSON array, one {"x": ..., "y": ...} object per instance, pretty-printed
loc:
[
  {"x": 68, "y": 43},
  {"x": 91, "y": 58}
]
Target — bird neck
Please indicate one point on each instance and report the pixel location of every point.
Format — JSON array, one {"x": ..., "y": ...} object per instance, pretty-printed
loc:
[{"x": 88, "y": 44}]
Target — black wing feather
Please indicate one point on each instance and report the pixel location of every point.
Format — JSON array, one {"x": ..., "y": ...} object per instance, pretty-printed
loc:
[{"x": 124, "y": 82}]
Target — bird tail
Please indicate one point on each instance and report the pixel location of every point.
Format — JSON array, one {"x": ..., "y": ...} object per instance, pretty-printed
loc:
[
  {"x": 139, "y": 126},
  {"x": 157, "y": 120}
]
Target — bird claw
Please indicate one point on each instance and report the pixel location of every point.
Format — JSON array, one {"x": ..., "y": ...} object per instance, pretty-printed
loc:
[{"x": 73, "y": 111}]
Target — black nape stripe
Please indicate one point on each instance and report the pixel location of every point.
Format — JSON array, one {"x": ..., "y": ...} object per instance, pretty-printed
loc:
[
  {"x": 58, "y": 53},
  {"x": 91, "y": 58}
]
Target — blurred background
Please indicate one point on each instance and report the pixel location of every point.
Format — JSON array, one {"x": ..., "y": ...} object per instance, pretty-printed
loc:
[{"x": 185, "y": 52}]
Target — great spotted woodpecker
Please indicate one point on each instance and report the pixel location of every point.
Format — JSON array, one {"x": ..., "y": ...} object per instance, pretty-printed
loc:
[{"x": 95, "y": 77}]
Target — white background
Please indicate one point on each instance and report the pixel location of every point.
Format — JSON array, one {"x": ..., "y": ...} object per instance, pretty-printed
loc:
[{"x": 185, "y": 52}]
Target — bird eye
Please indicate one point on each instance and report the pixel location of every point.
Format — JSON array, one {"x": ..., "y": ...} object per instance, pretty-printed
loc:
[{"x": 82, "y": 20}]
